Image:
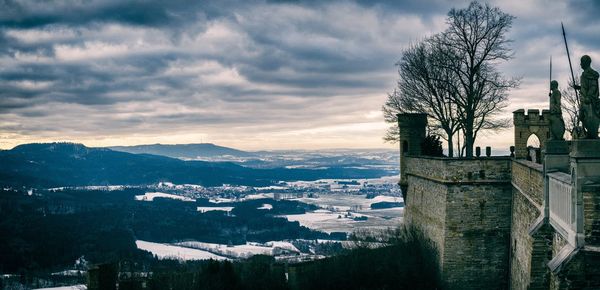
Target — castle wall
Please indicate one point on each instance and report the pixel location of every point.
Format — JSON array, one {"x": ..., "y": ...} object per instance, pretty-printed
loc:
[
  {"x": 464, "y": 206},
  {"x": 488, "y": 217},
  {"x": 529, "y": 246},
  {"x": 477, "y": 236},
  {"x": 528, "y": 178},
  {"x": 524, "y": 214}
]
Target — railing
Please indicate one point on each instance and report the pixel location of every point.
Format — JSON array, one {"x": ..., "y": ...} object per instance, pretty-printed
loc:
[{"x": 562, "y": 204}]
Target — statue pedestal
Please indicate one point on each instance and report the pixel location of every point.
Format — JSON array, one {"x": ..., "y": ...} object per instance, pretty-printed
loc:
[
  {"x": 585, "y": 174},
  {"x": 585, "y": 161},
  {"x": 557, "y": 147},
  {"x": 586, "y": 148},
  {"x": 556, "y": 156}
]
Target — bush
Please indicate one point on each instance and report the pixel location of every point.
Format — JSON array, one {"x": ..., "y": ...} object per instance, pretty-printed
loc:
[{"x": 432, "y": 146}]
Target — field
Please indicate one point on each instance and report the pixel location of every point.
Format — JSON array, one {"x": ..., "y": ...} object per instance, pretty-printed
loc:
[
  {"x": 165, "y": 251},
  {"x": 343, "y": 212}
]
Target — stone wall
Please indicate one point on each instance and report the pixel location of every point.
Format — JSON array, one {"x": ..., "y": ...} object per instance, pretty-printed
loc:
[
  {"x": 456, "y": 170},
  {"x": 530, "y": 236},
  {"x": 528, "y": 178},
  {"x": 486, "y": 217},
  {"x": 464, "y": 206},
  {"x": 523, "y": 216},
  {"x": 562, "y": 280},
  {"x": 582, "y": 271},
  {"x": 476, "y": 254},
  {"x": 427, "y": 209},
  {"x": 591, "y": 222}
]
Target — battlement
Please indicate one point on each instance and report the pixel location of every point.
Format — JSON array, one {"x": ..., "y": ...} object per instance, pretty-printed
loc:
[
  {"x": 532, "y": 123},
  {"x": 533, "y": 117}
]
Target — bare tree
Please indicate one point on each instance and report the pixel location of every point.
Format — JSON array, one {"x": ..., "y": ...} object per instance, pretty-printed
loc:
[
  {"x": 570, "y": 105},
  {"x": 472, "y": 46},
  {"x": 452, "y": 76},
  {"x": 424, "y": 86}
]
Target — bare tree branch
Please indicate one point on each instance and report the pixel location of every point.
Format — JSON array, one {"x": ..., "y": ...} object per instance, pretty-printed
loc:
[
  {"x": 425, "y": 87},
  {"x": 474, "y": 43},
  {"x": 453, "y": 77}
]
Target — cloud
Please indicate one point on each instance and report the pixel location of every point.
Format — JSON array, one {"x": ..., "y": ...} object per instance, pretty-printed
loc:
[{"x": 252, "y": 74}]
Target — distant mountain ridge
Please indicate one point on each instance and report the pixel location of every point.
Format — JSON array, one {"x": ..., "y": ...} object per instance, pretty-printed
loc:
[
  {"x": 70, "y": 164},
  {"x": 184, "y": 151}
]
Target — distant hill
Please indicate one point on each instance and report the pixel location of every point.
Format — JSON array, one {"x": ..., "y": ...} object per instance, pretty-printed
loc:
[
  {"x": 184, "y": 151},
  {"x": 69, "y": 164}
]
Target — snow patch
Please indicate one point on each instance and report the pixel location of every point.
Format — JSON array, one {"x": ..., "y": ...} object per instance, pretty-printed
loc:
[
  {"x": 149, "y": 196},
  {"x": 166, "y": 251},
  {"x": 266, "y": 206},
  {"x": 204, "y": 209},
  {"x": 72, "y": 287},
  {"x": 274, "y": 248}
]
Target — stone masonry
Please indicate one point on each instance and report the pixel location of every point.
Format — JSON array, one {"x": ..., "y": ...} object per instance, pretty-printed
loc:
[
  {"x": 533, "y": 123},
  {"x": 499, "y": 222},
  {"x": 464, "y": 207}
]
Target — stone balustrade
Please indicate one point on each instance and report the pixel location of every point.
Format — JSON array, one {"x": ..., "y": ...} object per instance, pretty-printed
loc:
[{"x": 562, "y": 205}]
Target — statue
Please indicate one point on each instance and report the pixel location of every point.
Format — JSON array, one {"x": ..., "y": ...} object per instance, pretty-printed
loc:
[
  {"x": 557, "y": 124},
  {"x": 589, "y": 110}
]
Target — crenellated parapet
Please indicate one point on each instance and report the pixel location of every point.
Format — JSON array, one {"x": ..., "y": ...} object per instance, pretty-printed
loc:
[
  {"x": 532, "y": 118},
  {"x": 532, "y": 123}
]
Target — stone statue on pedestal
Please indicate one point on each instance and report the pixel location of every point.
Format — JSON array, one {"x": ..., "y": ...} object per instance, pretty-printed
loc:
[
  {"x": 589, "y": 110},
  {"x": 557, "y": 124}
]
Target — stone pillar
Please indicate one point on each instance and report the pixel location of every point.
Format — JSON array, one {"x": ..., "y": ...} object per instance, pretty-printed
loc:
[
  {"x": 411, "y": 134},
  {"x": 521, "y": 134},
  {"x": 585, "y": 173}
]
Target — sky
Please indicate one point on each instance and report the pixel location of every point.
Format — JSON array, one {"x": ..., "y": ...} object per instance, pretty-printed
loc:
[{"x": 252, "y": 75}]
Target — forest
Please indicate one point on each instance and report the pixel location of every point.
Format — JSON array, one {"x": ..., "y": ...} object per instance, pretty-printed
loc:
[{"x": 49, "y": 230}]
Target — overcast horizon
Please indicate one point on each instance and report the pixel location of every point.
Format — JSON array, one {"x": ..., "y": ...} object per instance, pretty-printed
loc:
[{"x": 252, "y": 75}]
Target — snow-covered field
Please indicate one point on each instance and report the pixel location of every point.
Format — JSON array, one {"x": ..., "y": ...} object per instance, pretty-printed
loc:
[
  {"x": 345, "y": 202},
  {"x": 73, "y": 287},
  {"x": 392, "y": 179},
  {"x": 274, "y": 248},
  {"x": 150, "y": 196},
  {"x": 335, "y": 207},
  {"x": 204, "y": 209},
  {"x": 166, "y": 251},
  {"x": 193, "y": 250}
]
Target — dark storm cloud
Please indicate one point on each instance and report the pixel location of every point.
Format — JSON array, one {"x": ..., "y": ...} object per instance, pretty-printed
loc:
[
  {"x": 105, "y": 67},
  {"x": 29, "y": 14}
]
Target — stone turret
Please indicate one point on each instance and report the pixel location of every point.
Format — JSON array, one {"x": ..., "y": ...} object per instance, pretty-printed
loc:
[
  {"x": 412, "y": 134},
  {"x": 533, "y": 123}
]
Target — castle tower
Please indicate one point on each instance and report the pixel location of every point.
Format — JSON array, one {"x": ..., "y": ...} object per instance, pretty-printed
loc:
[
  {"x": 533, "y": 123},
  {"x": 412, "y": 133}
]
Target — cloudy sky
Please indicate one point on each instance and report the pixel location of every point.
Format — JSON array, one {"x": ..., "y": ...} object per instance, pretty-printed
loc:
[{"x": 247, "y": 74}]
